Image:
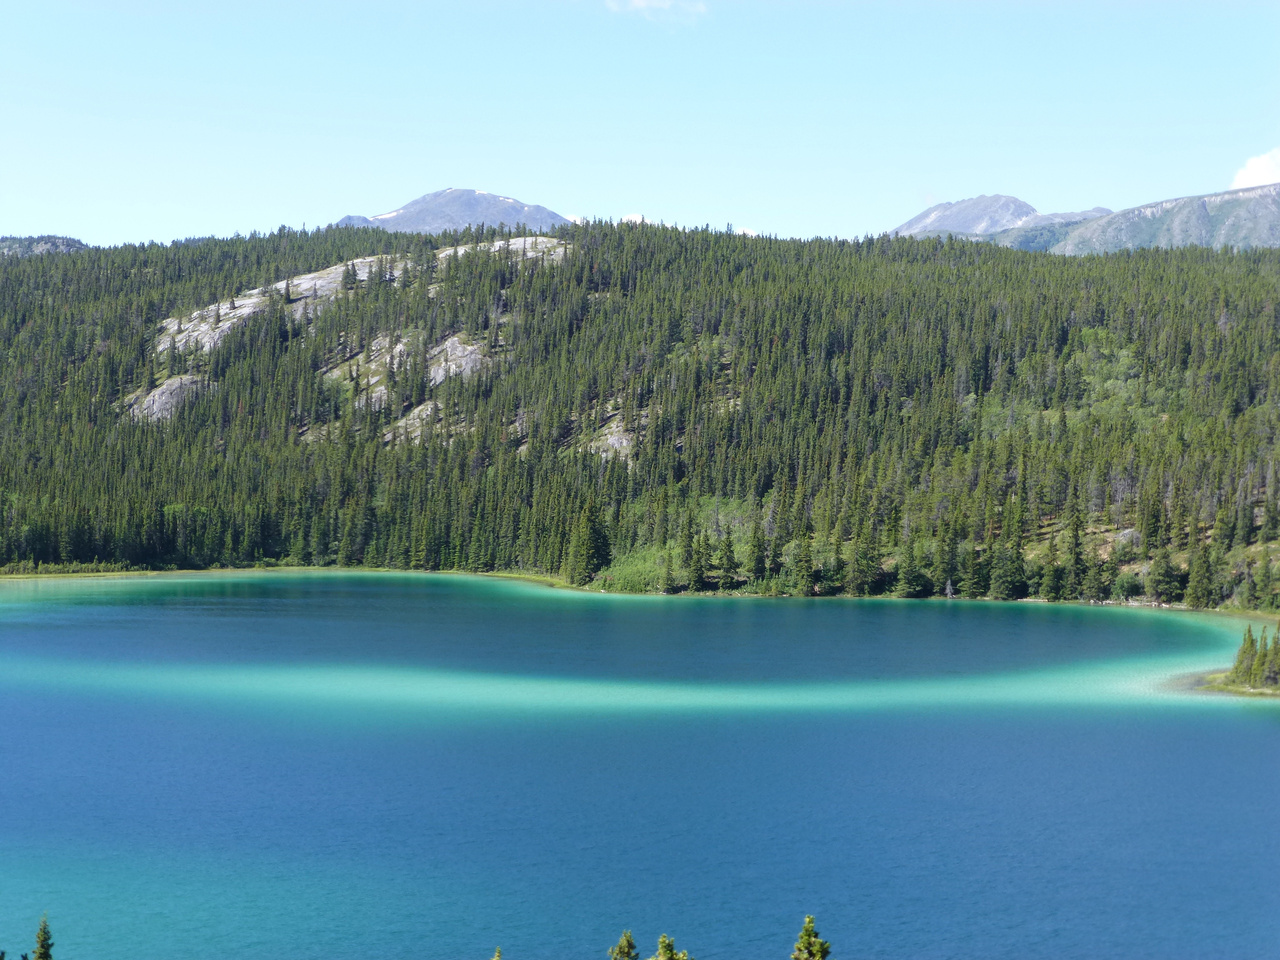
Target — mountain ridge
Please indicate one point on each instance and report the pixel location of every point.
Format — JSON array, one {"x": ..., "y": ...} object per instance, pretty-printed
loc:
[
  {"x": 455, "y": 209},
  {"x": 1241, "y": 218},
  {"x": 985, "y": 215}
]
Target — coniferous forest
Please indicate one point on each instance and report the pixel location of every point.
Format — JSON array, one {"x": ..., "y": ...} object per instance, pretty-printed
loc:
[{"x": 653, "y": 409}]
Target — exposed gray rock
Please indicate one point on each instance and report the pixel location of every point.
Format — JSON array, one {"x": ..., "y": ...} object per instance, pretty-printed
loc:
[
  {"x": 163, "y": 402},
  {"x": 522, "y": 248},
  {"x": 612, "y": 440},
  {"x": 411, "y": 425},
  {"x": 454, "y": 209},
  {"x": 207, "y": 327},
  {"x": 454, "y": 357},
  {"x": 34, "y": 246}
]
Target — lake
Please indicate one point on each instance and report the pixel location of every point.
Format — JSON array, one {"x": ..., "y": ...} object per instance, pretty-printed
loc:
[{"x": 339, "y": 764}]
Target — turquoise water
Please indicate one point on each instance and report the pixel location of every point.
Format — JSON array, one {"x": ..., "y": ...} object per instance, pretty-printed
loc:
[{"x": 321, "y": 764}]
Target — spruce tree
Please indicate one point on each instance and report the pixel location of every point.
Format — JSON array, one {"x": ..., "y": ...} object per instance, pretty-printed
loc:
[
  {"x": 1242, "y": 670},
  {"x": 1162, "y": 579},
  {"x": 1075, "y": 572},
  {"x": 667, "y": 950},
  {"x": 44, "y": 942},
  {"x": 697, "y": 565},
  {"x": 804, "y": 564},
  {"x": 756, "y": 553},
  {"x": 1271, "y": 672},
  {"x": 727, "y": 561},
  {"x": 686, "y": 540},
  {"x": 974, "y": 579},
  {"x": 1258, "y": 669},
  {"x": 1051, "y": 579},
  {"x": 625, "y": 949},
  {"x": 1096, "y": 587},
  {"x": 1199, "y": 580},
  {"x": 912, "y": 580},
  {"x": 1263, "y": 583},
  {"x": 1008, "y": 576},
  {"x": 810, "y": 946}
]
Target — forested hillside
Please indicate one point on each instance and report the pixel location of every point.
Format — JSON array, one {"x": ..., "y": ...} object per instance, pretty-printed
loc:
[{"x": 652, "y": 409}]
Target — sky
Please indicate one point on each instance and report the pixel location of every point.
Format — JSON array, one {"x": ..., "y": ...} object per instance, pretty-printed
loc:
[{"x": 127, "y": 122}]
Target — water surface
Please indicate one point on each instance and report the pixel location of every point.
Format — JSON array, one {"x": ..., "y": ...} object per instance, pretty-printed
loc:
[{"x": 430, "y": 766}]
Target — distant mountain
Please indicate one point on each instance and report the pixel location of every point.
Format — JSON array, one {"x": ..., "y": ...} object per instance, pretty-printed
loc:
[
  {"x": 984, "y": 216},
  {"x": 1235, "y": 218},
  {"x": 456, "y": 209},
  {"x": 32, "y": 246}
]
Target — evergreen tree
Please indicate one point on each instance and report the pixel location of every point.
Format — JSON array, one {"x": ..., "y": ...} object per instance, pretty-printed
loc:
[
  {"x": 804, "y": 564},
  {"x": 1075, "y": 571},
  {"x": 1052, "y": 580},
  {"x": 944, "y": 568},
  {"x": 1008, "y": 578},
  {"x": 1200, "y": 580},
  {"x": 1162, "y": 579},
  {"x": 687, "y": 537},
  {"x": 1271, "y": 516},
  {"x": 809, "y": 946},
  {"x": 667, "y": 950},
  {"x": 756, "y": 553},
  {"x": 625, "y": 948},
  {"x": 913, "y": 581},
  {"x": 1244, "y": 521},
  {"x": 588, "y": 548},
  {"x": 697, "y": 566},
  {"x": 727, "y": 561},
  {"x": 1264, "y": 584},
  {"x": 1258, "y": 669},
  {"x": 1242, "y": 670},
  {"x": 1096, "y": 588},
  {"x": 1270, "y": 673},
  {"x": 44, "y": 942},
  {"x": 974, "y": 579},
  {"x": 864, "y": 569},
  {"x": 1224, "y": 526}
]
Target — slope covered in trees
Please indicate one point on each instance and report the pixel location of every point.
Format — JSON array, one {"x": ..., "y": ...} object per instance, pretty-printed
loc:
[{"x": 657, "y": 409}]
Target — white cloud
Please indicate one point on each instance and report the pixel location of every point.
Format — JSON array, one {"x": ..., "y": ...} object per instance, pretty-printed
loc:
[
  {"x": 1259, "y": 171},
  {"x": 653, "y": 9}
]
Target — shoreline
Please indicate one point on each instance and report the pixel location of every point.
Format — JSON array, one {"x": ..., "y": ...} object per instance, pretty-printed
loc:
[
  {"x": 1198, "y": 683},
  {"x": 556, "y": 583},
  {"x": 1211, "y": 683}
]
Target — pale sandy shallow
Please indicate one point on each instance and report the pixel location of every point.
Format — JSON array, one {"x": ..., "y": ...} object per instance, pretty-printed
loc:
[{"x": 1172, "y": 680}]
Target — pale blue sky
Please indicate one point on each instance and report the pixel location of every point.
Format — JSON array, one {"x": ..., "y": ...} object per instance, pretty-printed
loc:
[{"x": 142, "y": 121}]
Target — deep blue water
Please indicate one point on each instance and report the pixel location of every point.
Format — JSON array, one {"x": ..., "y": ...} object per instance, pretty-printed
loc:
[{"x": 399, "y": 766}]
